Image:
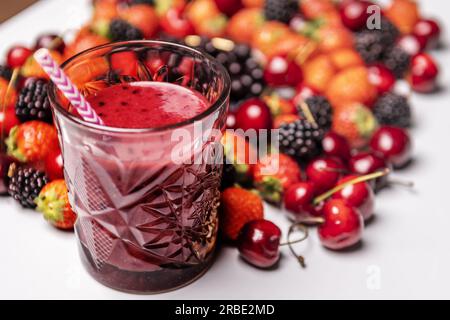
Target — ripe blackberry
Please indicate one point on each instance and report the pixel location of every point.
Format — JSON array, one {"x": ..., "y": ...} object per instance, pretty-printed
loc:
[
  {"x": 33, "y": 102},
  {"x": 5, "y": 73},
  {"x": 25, "y": 184},
  {"x": 397, "y": 60},
  {"x": 301, "y": 140},
  {"x": 247, "y": 76},
  {"x": 229, "y": 175},
  {"x": 393, "y": 110},
  {"x": 280, "y": 10},
  {"x": 321, "y": 110},
  {"x": 372, "y": 43},
  {"x": 120, "y": 30}
]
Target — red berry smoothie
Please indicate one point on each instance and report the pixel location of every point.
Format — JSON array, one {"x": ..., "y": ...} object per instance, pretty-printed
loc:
[{"x": 146, "y": 224}]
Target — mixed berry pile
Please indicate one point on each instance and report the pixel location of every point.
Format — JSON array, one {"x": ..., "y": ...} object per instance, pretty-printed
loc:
[{"x": 317, "y": 70}]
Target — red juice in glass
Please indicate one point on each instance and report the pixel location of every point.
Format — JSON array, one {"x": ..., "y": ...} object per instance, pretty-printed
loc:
[{"x": 146, "y": 223}]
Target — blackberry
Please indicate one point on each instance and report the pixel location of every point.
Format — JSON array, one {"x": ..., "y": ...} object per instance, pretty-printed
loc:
[
  {"x": 280, "y": 10},
  {"x": 25, "y": 184},
  {"x": 397, "y": 60},
  {"x": 33, "y": 102},
  {"x": 371, "y": 44},
  {"x": 120, "y": 30},
  {"x": 321, "y": 110},
  {"x": 393, "y": 110},
  {"x": 5, "y": 73},
  {"x": 229, "y": 175},
  {"x": 301, "y": 140},
  {"x": 247, "y": 76}
]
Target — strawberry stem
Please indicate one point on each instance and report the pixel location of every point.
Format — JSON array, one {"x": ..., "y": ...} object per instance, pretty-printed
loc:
[
  {"x": 338, "y": 188},
  {"x": 308, "y": 114}
]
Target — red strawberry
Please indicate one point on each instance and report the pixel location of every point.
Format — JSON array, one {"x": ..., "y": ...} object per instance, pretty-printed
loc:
[
  {"x": 239, "y": 206},
  {"x": 274, "y": 174},
  {"x": 32, "y": 141},
  {"x": 53, "y": 202}
]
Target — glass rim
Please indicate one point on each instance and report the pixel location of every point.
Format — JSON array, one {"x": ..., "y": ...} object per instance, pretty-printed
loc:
[{"x": 221, "y": 100}]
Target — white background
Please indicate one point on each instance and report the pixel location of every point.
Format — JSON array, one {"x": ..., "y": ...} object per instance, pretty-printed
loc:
[{"x": 405, "y": 253}]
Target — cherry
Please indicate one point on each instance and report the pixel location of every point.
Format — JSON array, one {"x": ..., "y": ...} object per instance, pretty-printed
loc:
[
  {"x": 411, "y": 44},
  {"x": 303, "y": 92},
  {"x": 253, "y": 114},
  {"x": 343, "y": 225},
  {"x": 428, "y": 31},
  {"x": 17, "y": 56},
  {"x": 259, "y": 243},
  {"x": 5, "y": 162},
  {"x": 324, "y": 172},
  {"x": 175, "y": 24},
  {"x": 231, "y": 120},
  {"x": 381, "y": 77},
  {"x": 354, "y": 14},
  {"x": 8, "y": 120},
  {"x": 335, "y": 145},
  {"x": 54, "y": 165},
  {"x": 299, "y": 198},
  {"x": 51, "y": 42},
  {"x": 359, "y": 195},
  {"x": 282, "y": 72},
  {"x": 367, "y": 162},
  {"x": 229, "y": 7},
  {"x": 393, "y": 144},
  {"x": 424, "y": 73}
]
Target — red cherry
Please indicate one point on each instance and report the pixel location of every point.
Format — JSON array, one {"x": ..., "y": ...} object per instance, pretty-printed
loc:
[
  {"x": 393, "y": 144},
  {"x": 354, "y": 14},
  {"x": 428, "y": 31},
  {"x": 50, "y": 41},
  {"x": 358, "y": 195},
  {"x": 175, "y": 24},
  {"x": 229, "y": 7},
  {"x": 54, "y": 165},
  {"x": 368, "y": 162},
  {"x": 17, "y": 56},
  {"x": 424, "y": 73},
  {"x": 382, "y": 78},
  {"x": 259, "y": 243},
  {"x": 8, "y": 120},
  {"x": 324, "y": 173},
  {"x": 282, "y": 72},
  {"x": 231, "y": 120},
  {"x": 343, "y": 225},
  {"x": 303, "y": 92},
  {"x": 411, "y": 44},
  {"x": 5, "y": 162},
  {"x": 253, "y": 114},
  {"x": 298, "y": 199},
  {"x": 335, "y": 145}
]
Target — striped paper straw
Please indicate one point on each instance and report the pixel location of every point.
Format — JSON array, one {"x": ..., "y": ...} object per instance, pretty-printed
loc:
[{"x": 63, "y": 83}]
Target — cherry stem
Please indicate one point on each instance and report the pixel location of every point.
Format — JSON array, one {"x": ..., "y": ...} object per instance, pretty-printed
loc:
[
  {"x": 338, "y": 188},
  {"x": 407, "y": 184},
  {"x": 4, "y": 102},
  {"x": 292, "y": 229},
  {"x": 308, "y": 114}
]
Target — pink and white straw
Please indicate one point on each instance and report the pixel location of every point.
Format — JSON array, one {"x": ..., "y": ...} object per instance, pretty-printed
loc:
[{"x": 70, "y": 91}]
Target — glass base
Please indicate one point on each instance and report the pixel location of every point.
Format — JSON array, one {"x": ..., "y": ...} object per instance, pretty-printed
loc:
[{"x": 152, "y": 282}]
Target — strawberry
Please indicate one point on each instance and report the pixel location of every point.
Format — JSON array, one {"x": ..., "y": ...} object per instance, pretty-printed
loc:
[
  {"x": 346, "y": 58},
  {"x": 355, "y": 122},
  {"x": 142, "y": 17},
  {"x": 240, "y": 153},
  {"x": 238, "y": 207},
  {"x": 318, "y": 72},
  {"x": 31, "y": 68},
  {"x": 352, "y": 85},
  {"x": 53, "y": 202},
  {"x": 10, "y": 100},
  {"x": 32, "y": 141},
  {"x": 313, "y": 9},
  {"x": 273, "y": 174},
  {"x": 212, "y": 27},
  {"x": 268, "y": 36},
  {"x": 244, "y": 24},
  {"x": 332, "y": 38},
  {"x": 404, "y": 14}
]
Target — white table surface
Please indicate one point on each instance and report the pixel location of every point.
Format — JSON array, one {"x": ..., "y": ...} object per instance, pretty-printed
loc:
[{"x": 405, "y": 253}]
